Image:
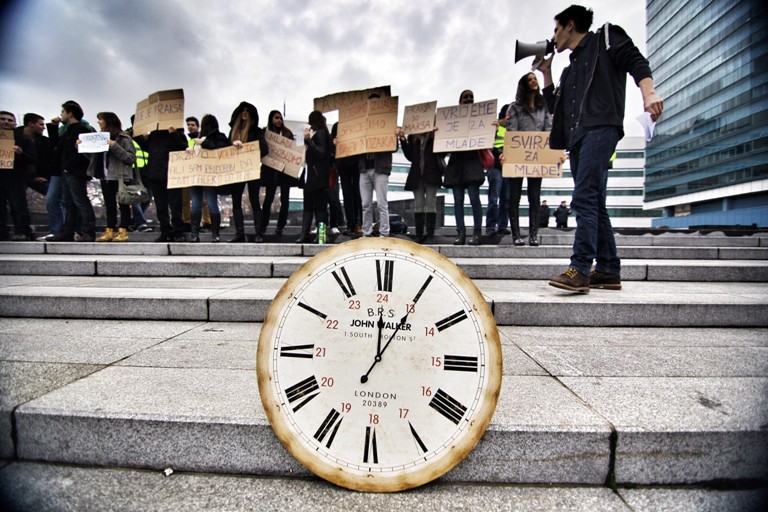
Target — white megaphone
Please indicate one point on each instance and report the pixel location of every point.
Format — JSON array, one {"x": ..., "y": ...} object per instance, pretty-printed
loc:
[{"x": 539, "y": 50}]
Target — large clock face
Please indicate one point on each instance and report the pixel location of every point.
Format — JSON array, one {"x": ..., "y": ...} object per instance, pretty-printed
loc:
[{"x": 379, "y": 365}]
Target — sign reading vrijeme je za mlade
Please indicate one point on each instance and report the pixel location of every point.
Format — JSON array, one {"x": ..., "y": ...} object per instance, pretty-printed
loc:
[
  {"x": 214, "y": 167},
  {"x": 527, "y": 154},
  {"x": 7, "y": 154},
  {"x": 284, "y": 155},
  {"x": 367, "y": 127},
  {"x": 465, "y": 127},
  {"x": 159, "y": 111}
]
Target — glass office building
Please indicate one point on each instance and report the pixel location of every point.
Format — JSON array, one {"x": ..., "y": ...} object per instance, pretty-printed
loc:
[{"x": 708, "y": 162}]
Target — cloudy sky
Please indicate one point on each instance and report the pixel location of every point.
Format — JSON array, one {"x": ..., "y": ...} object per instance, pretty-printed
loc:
[{"x": 110, "y": 54}]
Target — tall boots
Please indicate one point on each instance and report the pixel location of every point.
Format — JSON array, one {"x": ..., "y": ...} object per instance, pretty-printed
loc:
[
  {"x": 476, "y": 236},
  {"x": 431, "y": 218},
  {"x": 195, "y": 223},
  {"x": 239, "y": 235},
  {"x": 533, "y": 226},
  {"x": 215, "y": 227},
  {"x": 419, "y": 219},
  {"x": 514, "y": 222},
  {"x": 306, "y": 226}
]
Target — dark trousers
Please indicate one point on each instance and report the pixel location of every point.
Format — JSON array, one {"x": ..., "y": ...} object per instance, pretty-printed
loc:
[
  {"x": 238, "y": 216},
  {"x": 168, "y": 200},
  {"x": 594, "y": 240},
  {"x": 316, "y": 202},
  {"x": 350, "y": 188},
  {"x": 109, "y": 191},
  {"x": 266, "y": 208},
  {"x": 534, "y": 201},
  {"x": 13, "y": 192},
  {"x": 75, "y": 194}
]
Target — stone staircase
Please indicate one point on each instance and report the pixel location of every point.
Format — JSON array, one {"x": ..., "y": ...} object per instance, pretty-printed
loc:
[{"x": 142, "y": 355}]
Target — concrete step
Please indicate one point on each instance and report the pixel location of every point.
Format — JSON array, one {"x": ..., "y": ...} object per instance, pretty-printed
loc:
[
  {"x": 579, "y": 406},
  {"x": 50, "y": 487},
  {"x": 491, "y": 267},
  {"x": 514, "y": 302}
]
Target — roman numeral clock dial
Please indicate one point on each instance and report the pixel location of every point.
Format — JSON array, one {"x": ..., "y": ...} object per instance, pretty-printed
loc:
[{"x": 379, "y": 365}]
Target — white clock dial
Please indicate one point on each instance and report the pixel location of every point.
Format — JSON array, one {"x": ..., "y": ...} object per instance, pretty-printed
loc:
[{"x": 379, "y": 365}]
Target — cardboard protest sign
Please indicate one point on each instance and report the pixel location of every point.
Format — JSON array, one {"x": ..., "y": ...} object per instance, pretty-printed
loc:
[
  {"x": 159, "y": 111},
  {"x": 367, "y": 127},
  {"x": 339, "y": 100},
  {"x": 527, "y": 154},
  {"x": 7, "y": 154},
  {"x": 465, "y": 127},
  {"x": 419, "y": 118},
  {"x": 284, "y": 155},
  {"x": 93, "y": 142},
  {"x": 214, "y": 167}
]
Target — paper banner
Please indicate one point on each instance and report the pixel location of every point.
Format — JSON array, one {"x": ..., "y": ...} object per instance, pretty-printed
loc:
[
  {"x": 367, "y": 127},
  {"x": 419, "y": 118},
  {"x": 7, "y": 154},
  {"x": 214, "y": 167},
  {"x": 339, "y": 100},
  {"x": 527, "y": 154},
  {"x": 466, "y": 127},
  {"x": 93, "y": 142},
  {"x": 284, "y": 155},
  {"x": 159, "y": 111}
]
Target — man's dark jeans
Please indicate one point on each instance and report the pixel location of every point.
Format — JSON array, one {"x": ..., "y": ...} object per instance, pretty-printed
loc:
[
  {"x": 594, "y": 234},
  {"x": 74, "y": 191}
]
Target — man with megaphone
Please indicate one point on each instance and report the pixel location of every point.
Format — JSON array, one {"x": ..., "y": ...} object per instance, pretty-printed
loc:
[{"x": 587, "y": 119}]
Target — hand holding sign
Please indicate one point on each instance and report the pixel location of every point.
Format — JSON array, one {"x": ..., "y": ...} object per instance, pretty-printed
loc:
[{"x": 527, "y": 154}]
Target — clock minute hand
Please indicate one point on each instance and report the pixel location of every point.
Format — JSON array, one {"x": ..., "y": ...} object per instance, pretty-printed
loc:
[
  {"x": 380, "y": 325},
  {"x": 364, "y": 378}
]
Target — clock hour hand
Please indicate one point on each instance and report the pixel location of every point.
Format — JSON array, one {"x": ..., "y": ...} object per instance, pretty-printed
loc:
[{"x": 364, "y": 378}]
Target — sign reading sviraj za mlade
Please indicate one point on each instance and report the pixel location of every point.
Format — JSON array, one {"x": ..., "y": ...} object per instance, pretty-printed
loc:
[
  {"x": 284, "y": 155},
  {"x": 419, "y": 118},
  {"x": 527, "y": 154},
  {"x": 7, "y": 154},
  {"x": 159, "y": 111},
  {"x": 465, "y": 127},
  {"x": 214, "y": 167},
  {"x": 367, "y": 127}
]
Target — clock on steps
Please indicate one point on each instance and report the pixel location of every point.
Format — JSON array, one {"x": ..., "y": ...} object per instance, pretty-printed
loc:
[{"x": 379, "y": 364}]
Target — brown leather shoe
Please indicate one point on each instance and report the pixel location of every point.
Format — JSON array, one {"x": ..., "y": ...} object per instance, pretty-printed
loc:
[
  {"x": 572, "y": 281},
  {"x": 605, "y": 281}
]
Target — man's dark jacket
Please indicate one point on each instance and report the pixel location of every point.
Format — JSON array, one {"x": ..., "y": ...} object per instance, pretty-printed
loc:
[{"x": 601, "y": 103}]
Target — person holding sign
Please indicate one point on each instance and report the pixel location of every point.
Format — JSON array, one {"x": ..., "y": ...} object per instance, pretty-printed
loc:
[
  {"x": 588, "y": 118},
  {"x": 272, "y": 178},
  {"x": 74, "y": 175},
  {"x": 13, "y": 179},
  {"x": 424, "y": 178},
  {"x": 244, "y": 127},
  {"x": 315, "y": 176},
  {"x": 168, "y": 201},
  {"x": 210, "y": 138},
  {"x": 527, "y": 113},
  {"x": 116, "y": 164},
  {"x": 465, "y": 173}
]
